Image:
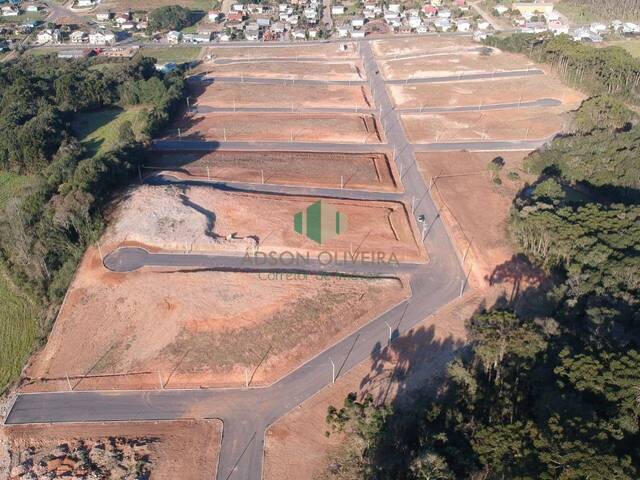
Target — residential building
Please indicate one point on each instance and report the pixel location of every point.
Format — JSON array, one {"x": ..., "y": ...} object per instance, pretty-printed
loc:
[
  {"x": 102, "y": 37},
  {"x": 48, "y": 36},
  {"x": 337, "y": 10},
  {"x": 104, "y": 16},
  {"x": 174, "y": 37},
  {"x": 78, "y": 37}
]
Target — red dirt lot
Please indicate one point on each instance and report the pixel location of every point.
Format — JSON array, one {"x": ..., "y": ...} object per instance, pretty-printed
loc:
[
  {"x": 457, "y": 64},
  {"x": 345, "y": 70},
  {"x": 324, "y": 50},
  {"x": 373, "y": 171},
  {"x": 513, "y": 124},
  {"x": 184, "y": 449},
  {"x": 283, "y": 127},
  {"x": 190, "y": 329},
  {"x": 483, "y": 92},
  {"x": 237, "y": 223},
  {"x": 296, "y": 96},
  {"x": 474, "y": 208},
  {"x": 421, "y": 45}
]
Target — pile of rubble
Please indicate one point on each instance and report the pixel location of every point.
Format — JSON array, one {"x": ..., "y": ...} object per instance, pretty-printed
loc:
[{"x": 113, "y": 457}]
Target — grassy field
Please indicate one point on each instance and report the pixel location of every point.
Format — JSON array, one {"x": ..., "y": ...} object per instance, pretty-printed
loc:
[
  {"x": 631, "y": 46},
  {"x": 99, "y": 131},
  {"x": 173, "y": 54},
  {"x": 19, "y": 328}
]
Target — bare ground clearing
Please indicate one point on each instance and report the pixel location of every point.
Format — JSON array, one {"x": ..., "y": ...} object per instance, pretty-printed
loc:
[
  {"x": 199, "y": 328},
  {"x": 215, "y": 221},
  {"x": 183, "y": 449},
  {"x": 324, "y": 50},
  {"x": 455, "y": 64},
  {"x": 424, "y": 45},
  {"x": 484, "y": 92},
  {"x": 372, "y": 171},
  {"x": 282, "y": 127},
  {"x": 524, "y": 124},
  {"x": 231, "y": 95},
  {"x": 342, "y": 70}
]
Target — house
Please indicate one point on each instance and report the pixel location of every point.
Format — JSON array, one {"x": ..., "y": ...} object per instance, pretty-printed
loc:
[
  {"x": 501, "y": 9},
  {"x": 629, "y": 27},
  {"x": 33, "y": 8},
  {"x": 463, "y": 25},
  {"x": 598, "y": 28},
  {"x": 357, "y": 34},
  {"x": 78, "y": 37},
  {"x": 415, "y": 22},
  {"x": 174, "y": 37},
  {"x": 483, "y": 25},
  {"x": 299, "y": 35},
  {"x": 460, "y": 3},
  {"x": 237, "y": 7},
  {"x": 342, "y": 32},
  {"x": 395, "y": 7},
  {"x": 557, "y": 27},
  {"x": 277, "y": 27},
  {"x": 292, "y": 20},
  {"x": 104, "y": 37},
  {"x": 10, "y": 11},
  {"x": 166, "y": 67},
  {"x": 256, "y": 8},
  {"x": 553, "y": 15},
  {"x": 283, "y": 7},
  {"x": 422, "y": 29},
  {"x": 202, "y": 37},
  {"x": 123, "y": 18},
  {"x": 234, "y": 17},
  {"x": 337, "y": 10},
  {"x": 443, "y": 24},
  {"x": 225, "y": 37},
  {"x": 85, "y": 3},
  {"x": 213, "y": 15},
  {"x": 357, "y": 22},
  {"x": 104, "y": 16},
  {"x": 444, "y": 13},
  {"x": 252, "y": 32},
  {"x": 429, "y": 10},
  {"x": 313, "y": 33},
  {"x": 263, "y": 22},
  {"x": 48, "y": 36},
  {"x": 533, "y": 8}
]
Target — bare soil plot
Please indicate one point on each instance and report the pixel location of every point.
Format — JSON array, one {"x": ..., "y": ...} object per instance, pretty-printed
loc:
[
  {"x": 371, "y": 171},
  {"x": 454, "y": 64},
  {"x": 514, "y": 124},
  {"x": 296, "y": 446},
  {"x": 283, "y": 127},
  {"x": 324, "y": 50},
  {"x": 199, "y": 328},
  {"x": 295, "y": 96},
  {"x": 475, "y": 209},
  {"x": 291, "y": 70},
  {"x": 206, "y": 219},
  {"x": 184, "y": 449},
  {"x": 483, "y": 92},
  {"x": 389, "y": 47}
]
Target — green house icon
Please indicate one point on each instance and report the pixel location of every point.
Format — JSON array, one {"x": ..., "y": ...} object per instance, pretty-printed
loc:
[{"x": 320, "y": 222}]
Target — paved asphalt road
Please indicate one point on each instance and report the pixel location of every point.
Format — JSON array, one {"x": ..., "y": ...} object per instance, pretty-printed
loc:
[{"x": 246, "y": 413}]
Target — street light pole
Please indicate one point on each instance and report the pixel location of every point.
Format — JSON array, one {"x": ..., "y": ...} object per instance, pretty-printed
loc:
[{"x": 333, "y": 371}]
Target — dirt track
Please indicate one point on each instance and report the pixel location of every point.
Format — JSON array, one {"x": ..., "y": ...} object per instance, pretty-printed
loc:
[{"x": 331, "y": 170}]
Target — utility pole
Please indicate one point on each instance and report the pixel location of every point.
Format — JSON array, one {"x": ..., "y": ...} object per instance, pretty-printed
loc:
[
  {"x": 464, "y": 257},
  {"x": 100, "y": 251},
  {"x": 161, "y": 383},
  {"x": 390, "y": 330},
  {"x": 262, "y": 175},
  {"x": 246, "y": 377},
  {"x": 208, "y": 174},
  {"x": 333, "y": 371},
  {"x": 464, "y": 283},
  {"x": 68, "y": 382}
]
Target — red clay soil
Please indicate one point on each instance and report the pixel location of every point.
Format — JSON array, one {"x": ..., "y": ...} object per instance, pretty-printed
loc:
[
  {"x": 372, "y": 171},
  {"x": 484, "y": 92},
  {"x": 421, "y": 45},
  {"x": 343, "y": 70},
  {"x": 281, "y": 127},
  {"x": 512, "y": 124},
  {"x": 230, "y": 95},
  {"x": 324, "y": 50},
  {"x": 190, "y": 329}
]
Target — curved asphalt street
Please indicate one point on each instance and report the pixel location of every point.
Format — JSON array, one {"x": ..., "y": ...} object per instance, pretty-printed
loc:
[{"x": 246, "y": 413}]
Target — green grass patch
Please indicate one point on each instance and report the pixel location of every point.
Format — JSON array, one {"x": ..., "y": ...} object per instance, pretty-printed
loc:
[
  {"x": 178, "y": 54},
  {"x": 24, "y": 18},
  {"x": 631, "y": 46},
  {"x": 99, "y": 131},
  {"x": 19, "y": 327},
  {"x": 579, "y": 13}
]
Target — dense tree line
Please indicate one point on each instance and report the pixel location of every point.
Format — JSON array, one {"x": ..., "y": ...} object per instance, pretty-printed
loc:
[
  {"x": 550, "y": 393},
  {"x": 44, "y": 231},
  {"x": 169, "y": 17},
  {"x": 598, "y": 71}
]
